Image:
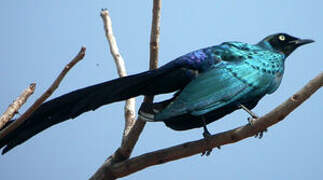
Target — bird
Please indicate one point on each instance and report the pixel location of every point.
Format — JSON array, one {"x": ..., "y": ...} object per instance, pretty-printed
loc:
[{"x": 207, "y": 83}]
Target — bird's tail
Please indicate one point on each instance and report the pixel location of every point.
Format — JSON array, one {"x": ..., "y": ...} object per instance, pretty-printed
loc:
[{"x": 162, "y": 80}]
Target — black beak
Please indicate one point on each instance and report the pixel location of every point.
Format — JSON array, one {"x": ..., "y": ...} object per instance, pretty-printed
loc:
[{"x": 300, "y": 42}]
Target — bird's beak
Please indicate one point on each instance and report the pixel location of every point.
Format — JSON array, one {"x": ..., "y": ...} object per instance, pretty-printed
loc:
[
  {"x": 292, "y": 45},
  {"x": 300, "y": 42}
]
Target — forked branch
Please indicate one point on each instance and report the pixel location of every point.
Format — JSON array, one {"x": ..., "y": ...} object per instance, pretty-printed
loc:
[{"x": 130, "y": 140}]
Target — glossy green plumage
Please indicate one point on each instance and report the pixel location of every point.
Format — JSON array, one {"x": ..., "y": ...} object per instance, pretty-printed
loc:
[{"x": 244, "y": 72}]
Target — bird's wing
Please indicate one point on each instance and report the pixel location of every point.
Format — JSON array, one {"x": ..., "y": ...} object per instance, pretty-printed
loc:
[{"x": 226, "y": 82}]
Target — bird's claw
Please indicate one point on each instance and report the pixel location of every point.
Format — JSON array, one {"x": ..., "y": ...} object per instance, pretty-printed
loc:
[
  {"x": 251, "y": 120},
  {"x": 207, "y": 135},
  {"x": 260, "y": 134},
  {"x": 206, "y": 153}
]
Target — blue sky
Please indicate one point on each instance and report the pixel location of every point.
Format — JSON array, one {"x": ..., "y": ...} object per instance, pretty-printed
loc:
[{"x": 39, "y": 37}]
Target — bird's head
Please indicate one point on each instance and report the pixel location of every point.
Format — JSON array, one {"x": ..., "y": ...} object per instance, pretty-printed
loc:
[{"x": 283, "y": 43}]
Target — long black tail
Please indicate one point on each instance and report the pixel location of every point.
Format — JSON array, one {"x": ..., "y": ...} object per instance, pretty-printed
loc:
[{"x": 162, "y": 80}]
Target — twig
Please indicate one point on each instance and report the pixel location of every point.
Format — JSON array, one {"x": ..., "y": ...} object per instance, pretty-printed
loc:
[
  {"x": 15, "y": 106},
  {"x": 114, "y": 50},
  {"x": 44, "y": 96},
  {"x": 129, "y": 141},
  {"x": 135, "y": 164}
]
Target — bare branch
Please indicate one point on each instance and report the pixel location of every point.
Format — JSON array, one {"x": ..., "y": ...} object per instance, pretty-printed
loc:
[
  {"x": 114, "y": 50},
  {"x": 44, "y": 96},
  {"x": 154, "y": 35},
  {"x": 135, "y": 164},
  {"x": 139, "y": 125},
  {"x": 129, "y": 141},
  {"x": 15, "y": 106}
]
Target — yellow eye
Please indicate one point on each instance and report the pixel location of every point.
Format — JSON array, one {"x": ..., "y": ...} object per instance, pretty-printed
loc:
[{"x": 281, "y": 37}]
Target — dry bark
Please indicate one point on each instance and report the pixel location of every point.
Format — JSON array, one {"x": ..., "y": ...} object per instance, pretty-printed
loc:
[{"x": 15, "y": 106}]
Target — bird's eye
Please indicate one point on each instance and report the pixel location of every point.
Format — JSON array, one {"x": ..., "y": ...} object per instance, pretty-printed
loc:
[{"x": 281, "y": 37}]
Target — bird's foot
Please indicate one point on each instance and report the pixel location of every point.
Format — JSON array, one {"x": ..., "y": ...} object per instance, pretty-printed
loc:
[
  {"x": 252, "y": 114},
  {"x": 260, "y": 134},
  {"x": 251, "y": 121},
  {"x": 207, "y": 135}
]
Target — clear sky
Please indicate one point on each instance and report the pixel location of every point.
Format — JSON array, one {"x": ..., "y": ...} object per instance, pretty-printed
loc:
[{"x": 37, "y": 38}]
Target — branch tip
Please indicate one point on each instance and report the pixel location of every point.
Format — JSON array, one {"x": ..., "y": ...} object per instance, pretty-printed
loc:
[
  {"x": 16, "y": 105},
  {"x": 45, "y": 95}
]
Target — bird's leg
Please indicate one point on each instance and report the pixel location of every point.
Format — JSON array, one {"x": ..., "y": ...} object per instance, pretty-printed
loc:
[
  {"x": 251, "y": 119},
  {"x": 260, "y": 134},
  {"x": 206, "y": 135},
  {"x": 206, "y": 132},
  {"x": 252, "y": 114}
]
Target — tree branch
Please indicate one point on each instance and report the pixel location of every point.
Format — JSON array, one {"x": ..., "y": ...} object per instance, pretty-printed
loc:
[
  {"x": 44, "y": 96},
  {"x": 129, "y": 141},
  {"x": 135, "y": 164},
  {"x": 114, "y": 50},
  {"x": 15, "y": 106},
  {"x": 154, "y": 35}
]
